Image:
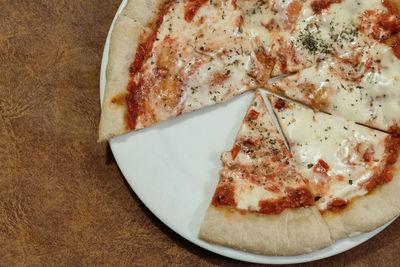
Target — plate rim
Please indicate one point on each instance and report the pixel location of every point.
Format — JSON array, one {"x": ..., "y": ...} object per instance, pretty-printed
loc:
[{"x": 221, "y": 250}]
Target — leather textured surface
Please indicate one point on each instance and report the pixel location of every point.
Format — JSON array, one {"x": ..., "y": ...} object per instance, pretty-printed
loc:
[{"x": 63, "y": 200}]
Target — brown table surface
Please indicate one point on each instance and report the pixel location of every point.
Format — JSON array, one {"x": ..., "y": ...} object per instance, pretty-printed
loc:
[{"x": 63, "y": 200}]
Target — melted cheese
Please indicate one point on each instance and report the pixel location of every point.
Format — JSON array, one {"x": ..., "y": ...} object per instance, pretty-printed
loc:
[
  {"x": 365, "y": 94},
  {"x": 315, "y": 136},
  {"x": 333, "y": 32},
  {"x": 247, "y": 194},
  {"x": 259, "y": 165},
  {"x": 227, "y": 49},
  {"x": 257, "y": 15},
  {"x": 195, "y": 64}
]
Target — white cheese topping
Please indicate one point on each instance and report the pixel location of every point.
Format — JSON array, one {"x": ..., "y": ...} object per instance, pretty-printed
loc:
[
  {"x": 259, "y": 165},
  {"x": 368, "y": 93},
  {"x": 196, "y": 63},
  {"x": 351, "y": 151},
  {"x": 331, "y": 33}
]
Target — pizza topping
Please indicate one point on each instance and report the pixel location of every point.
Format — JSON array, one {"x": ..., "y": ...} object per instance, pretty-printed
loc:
[
  {"x": 295, "y": 198},
  {"x": 292, "y": 13},
  {"x": 119, "y": 100},
  {"x": 362, "y": 85},
  {"x": 321, "y": 167},
  {"x": 382, "y": 25},
  {"x": 309, "y": 39},
  {"x": 266, "y": 60},
  {"x": 136, "y": 104},
  {"x": 146, "y": 43},
  {"x": 235, "y": 151},
  {"x": 396, "y": 49},
  {"x": 392, "y": 148},
  {"x": 319, "y": 5},
  {"x": 337, "y": 204},
  {"x": 224, "y": 195},
  {"x": 280, "y": 104},
  {"x": 192, "y": 7},
  {"x": 260, "y": 192},
  {"x": 142, "y": 53},
  {"x": 325, "y": 29},
  {"x": 347, "y": 160},
  {"x": 253, "y": 115}
]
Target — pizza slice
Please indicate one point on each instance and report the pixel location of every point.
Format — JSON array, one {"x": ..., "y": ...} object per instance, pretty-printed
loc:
[
  {"x": 353, "y": 171},
  {"x": 363, "y": 86},
  {"x": 192, "y": 54},
  {"x": 335, "y": 28},
  {"x": 261, "y": 203}
]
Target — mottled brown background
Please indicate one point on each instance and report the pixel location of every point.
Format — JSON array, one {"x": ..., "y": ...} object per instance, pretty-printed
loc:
[{"x": 63, "y": 200}]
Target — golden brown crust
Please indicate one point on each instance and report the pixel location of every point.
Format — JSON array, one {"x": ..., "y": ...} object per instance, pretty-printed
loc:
[
  {"x": 123, "y": 43},
  {"x": 130, "y": 25},
  {"x": 142, "y": 11},
  {"x": 366, "y": 213},
  {"x": 293, "y": 232}
]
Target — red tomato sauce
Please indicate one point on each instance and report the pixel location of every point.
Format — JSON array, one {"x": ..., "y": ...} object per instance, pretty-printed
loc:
[
  {"x": 235, "y": 151},
  {"x": 135, "y": 106},
  {"x": 280, "y": 104},
  {"x": 233, "y": 2},
  {"x": 384, "y": 24},
  {"x": 286, "y": 54},
  {"x": 253, "y": 115},
  {"x": 192, "y": 7},
  {"x": 392, "y": 146},
  {"x": 321, "y": 167},
  {"x": 135, "y": 101},
  {"x": 292, "y": 14},
  {"x": 264, "y": 58},
  {"x": 391, "y": 7},
  {"x": 218, "y": 78},
  {"x": 295, "y": 198},
  {"x": 337, "y": 204},
  {"x": 224, "y": 196},
  {"x": 319, "y": 5},
  {"x": 396, "y": 49}
]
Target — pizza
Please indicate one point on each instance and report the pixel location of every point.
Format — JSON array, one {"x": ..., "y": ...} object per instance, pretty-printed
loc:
[
  {"x": 339, "y": 59},
  {"x": 261, "y": 203}
]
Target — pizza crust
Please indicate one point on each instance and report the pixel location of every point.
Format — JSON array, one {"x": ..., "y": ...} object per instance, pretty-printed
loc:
[
  {"x": 129, "y": 27},
  {"x": 123, "y": 44},
  {"x": 142, "y": 11},
  {"x": 293, "y": 232},
  {"x": 366, "y": 213}
]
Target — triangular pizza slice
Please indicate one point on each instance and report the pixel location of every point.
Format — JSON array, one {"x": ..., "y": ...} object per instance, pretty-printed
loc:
[
  {"x": 191, "y": 55},
  {"x": 352, "y": 171},
  {"x": 261, "y": 203}
]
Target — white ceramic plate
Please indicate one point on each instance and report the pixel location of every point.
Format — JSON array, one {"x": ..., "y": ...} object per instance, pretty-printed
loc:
[{"x": 173, "y": 168}]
